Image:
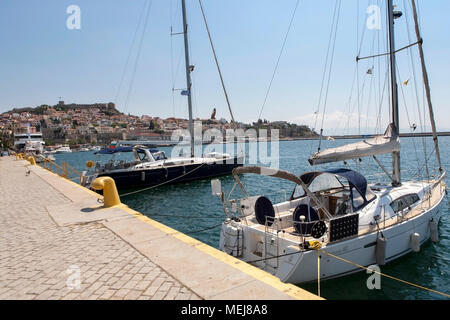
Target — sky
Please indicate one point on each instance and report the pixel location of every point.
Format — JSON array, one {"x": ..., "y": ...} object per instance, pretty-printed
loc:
[{"x": 43, "y": 61}]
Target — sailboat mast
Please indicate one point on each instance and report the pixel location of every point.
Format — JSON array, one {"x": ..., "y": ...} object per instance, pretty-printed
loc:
[
  {"x": 188, "y": 75},
  {"x": 427, "y": 84},
  {"x": 394, "y": 92}
]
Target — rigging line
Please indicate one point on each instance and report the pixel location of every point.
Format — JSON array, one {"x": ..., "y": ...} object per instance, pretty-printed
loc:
[
  {"x": 178, "y": 68},
  {"x": 202, "y": 230},
  {"x": 278, "y": 60},
  {"x": 324, "y": 70},
  {"x": 379, "y": 97},
  {"x": 163, "y": 183},
  {"x": 382, "y": 99},
  {"x": 138, "y": 55},
  {"x": 171, "y": 57},
  {"x": 409, "y": 121},
  {"x": 372, "y": 85},
  {"x": 349, "y": 100},
  {"x": 356, "y": 265},
  {"x": 329, "y": 72},
  {"x": 217, "y": 64},
  {"x": 386, "y": 275},
  {"x": 412, "y": 66},
  {"x": 177, "y": 216},
  {"x": 193, "y": 77},
  {"x": 130, "y": 51},
  {"x": 363, "y": 32},
  {"x": 357, "y": 66}
]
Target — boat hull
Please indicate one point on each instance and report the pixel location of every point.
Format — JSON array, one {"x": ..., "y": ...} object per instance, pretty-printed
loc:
[
  {"x": 148, "y": 177},
  {"x": 302, "y": 268}
]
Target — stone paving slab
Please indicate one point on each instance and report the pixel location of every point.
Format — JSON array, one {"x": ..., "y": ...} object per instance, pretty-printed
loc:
[{"x": 84, "y": 212}]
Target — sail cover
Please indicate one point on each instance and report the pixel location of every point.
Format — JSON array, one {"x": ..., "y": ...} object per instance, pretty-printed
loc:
[{"x": 386, "y": 143}]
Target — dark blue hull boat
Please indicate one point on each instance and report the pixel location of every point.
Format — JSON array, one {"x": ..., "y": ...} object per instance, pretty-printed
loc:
[{"x": 148, "y": 177}]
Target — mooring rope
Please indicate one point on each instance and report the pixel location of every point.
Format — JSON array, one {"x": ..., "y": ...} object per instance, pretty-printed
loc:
[
  {"x": 205, "y": 229},
  {"x": 359, "y": 266},
  {"x": 386, "y": 275}
]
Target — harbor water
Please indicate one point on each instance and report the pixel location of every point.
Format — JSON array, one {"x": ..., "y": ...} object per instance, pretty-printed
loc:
[{"x": 192, "y": 209}]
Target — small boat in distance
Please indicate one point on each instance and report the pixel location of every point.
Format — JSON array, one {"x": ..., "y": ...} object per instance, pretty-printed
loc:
[{"x": 63, "y": 149}]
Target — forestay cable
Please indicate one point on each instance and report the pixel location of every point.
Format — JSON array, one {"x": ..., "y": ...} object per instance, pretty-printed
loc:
[
  {"x": 217, "y": 64},
  {"x": 278, "y": 60}
]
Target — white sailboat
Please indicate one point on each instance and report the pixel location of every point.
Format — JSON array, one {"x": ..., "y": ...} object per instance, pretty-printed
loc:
[{"x": 337, "y": 211}]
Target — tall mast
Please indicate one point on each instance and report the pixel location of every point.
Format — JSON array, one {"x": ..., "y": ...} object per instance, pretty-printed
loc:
[
  {"x": 394, "y": 92},
  {"x": 427, "y": 85},
  {"x": 188, "y": 75}
]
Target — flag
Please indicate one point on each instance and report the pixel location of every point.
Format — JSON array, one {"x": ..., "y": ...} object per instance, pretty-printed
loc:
[{"x": 185, "y": 93}]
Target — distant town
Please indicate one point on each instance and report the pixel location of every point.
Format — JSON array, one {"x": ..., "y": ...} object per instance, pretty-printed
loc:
[{"x": 101, "y": 123}]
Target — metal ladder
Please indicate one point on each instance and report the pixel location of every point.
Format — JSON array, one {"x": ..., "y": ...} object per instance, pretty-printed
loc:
[{"x": 271, "y": 240}]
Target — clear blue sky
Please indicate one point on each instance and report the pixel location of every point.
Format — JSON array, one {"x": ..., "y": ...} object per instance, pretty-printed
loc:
[{"x": 41, "y": 60}]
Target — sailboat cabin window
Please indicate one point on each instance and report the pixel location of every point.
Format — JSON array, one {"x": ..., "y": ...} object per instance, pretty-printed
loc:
[
  {"x": 325, "y": 181},
  {"x": 298, "y": 192},
  {"x": 406, "y": 201}
]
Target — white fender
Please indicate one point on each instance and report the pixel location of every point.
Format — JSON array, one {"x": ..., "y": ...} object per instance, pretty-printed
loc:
[{"x": 415, "y": 242}]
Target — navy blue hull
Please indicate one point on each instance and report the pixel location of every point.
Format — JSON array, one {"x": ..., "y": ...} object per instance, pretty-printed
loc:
[{"x": 169, "y": 175}]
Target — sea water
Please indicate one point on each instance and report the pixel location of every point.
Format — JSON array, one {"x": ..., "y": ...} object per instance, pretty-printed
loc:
[{"x": 192, "y": 209}]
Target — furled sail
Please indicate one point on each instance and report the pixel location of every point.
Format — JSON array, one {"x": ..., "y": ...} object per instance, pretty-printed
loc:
[{"x": 386, "y": 143}]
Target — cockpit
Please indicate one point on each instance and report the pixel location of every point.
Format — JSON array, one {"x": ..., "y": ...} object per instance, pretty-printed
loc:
[{"x": 340, "y": 191}]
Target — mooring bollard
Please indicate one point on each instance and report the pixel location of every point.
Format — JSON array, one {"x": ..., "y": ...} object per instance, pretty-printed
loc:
[
  {"x": 32, "y": 160},
  {"x": 110, "y": 195}
]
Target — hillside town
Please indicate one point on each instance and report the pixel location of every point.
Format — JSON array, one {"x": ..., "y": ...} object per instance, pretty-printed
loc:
[{"x": 101, "y": 123}]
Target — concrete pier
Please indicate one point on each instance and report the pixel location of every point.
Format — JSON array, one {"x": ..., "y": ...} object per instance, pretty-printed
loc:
[{"x": 58, "y": 242}]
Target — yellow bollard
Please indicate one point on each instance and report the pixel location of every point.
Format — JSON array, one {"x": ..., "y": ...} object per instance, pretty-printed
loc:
[
  {"x": 110, "y": 195},
  {"x": 32, "y": 160}
]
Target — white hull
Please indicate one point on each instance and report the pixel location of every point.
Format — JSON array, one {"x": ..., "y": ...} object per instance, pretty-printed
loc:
[
  {"x": 276, "y": 250},
  {"x": 302, "y": 268}
]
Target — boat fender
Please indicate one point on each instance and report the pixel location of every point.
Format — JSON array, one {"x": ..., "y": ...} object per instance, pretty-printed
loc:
[
  {"x": 415, "y": 242},
  {"x": 380, "y": 251},
  {"x": 143, "y": 176},
  {"x": 434, "y": 232},
  {"x": 167, "y": 172}
]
